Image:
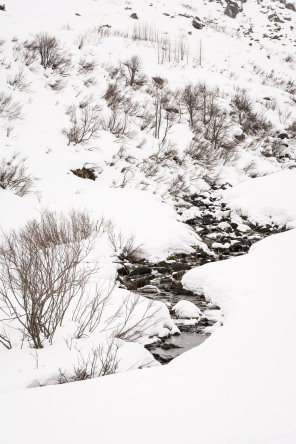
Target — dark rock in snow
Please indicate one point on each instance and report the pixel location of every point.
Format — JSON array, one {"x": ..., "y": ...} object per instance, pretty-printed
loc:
[
  {"x": 283, "y": 136},
  {"x": 197, "y": 24},
  {"x": 290, "y": 6},
  {"x": 134, "y": 16},
  {"x": 232, "y": 9},
  {"x": 85, "y": 173},
  {"x": 141, "y": 270}
]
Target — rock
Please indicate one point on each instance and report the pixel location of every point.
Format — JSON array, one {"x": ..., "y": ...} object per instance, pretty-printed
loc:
[
  {"x": 177, "y": 266},
  {"x": 158, "y": 80},
  {"x": 232, "y": 9},
  {"x": 85, "y": 173},
  {"x": 275, "y": 18},
  {"x": 140, "y": 270},
  {"x": 283, "y": 136},
  {"x": 134, "y": 16},
  {"x": 169, "y": 346},
  {"x": 150, "y": 289},
  {"x": 186, "y": 310},
  {"x": 240, "y": 137},
  {"x": 290, "y": 6},
  {"x": 2, "y": 7},
  {"x": 197, "y": 24}
]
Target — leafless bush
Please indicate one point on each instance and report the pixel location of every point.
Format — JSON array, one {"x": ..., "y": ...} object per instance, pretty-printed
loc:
[
  {"x": 218, "y": 130},
  {"x": 90, "y": 81},
  {"x": 292, "y": 128},
  {"x": 113, "y": 96},
  {"x": 250, "y": 169},
  {"x": 118, "y": 123},
  {"x": 5, "y": 340},
  {"x": 50, "y": 53},
  {"x": 132, "y": 71},
  {"x": 89, "y": 310},
  {"x": 178, "y": 186},
  {"x": 14, "y": 176},
  {"x": 58, "y": 85},
  {"x": 18, "y": 81},
  {"x": 86, "y": 66},
  {"x": 85, "y": 124},
  {"x": 133, "y": 318},
  {"x": 100, "y": 361},
  {"x": 124, "y": 247},
  {"x": 202, "y": 153},
  {"x": 252, "y": 122},
  {"x": 42, "y": 271},
  {"x": 9, "y": 109}
]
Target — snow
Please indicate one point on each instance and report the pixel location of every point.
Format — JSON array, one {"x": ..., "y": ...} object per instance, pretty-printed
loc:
[
  {"x": 266, "y": 200},
  {"x": 186, "y": 310}
]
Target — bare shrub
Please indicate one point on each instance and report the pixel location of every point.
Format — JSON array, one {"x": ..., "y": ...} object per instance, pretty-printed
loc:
[
  {"x": 202, "y": 153},
  {"x": 14, "y": 176},
  {"x": 113, "y": 95},
  {"x": 86, "y": 66},
  {"x": 58, "y": 85},
  {"x": 42, "y": 271},
  {"x": 118, "y": 123},
  {"x": 133, "y": 318},
  {"x": 5, "y": 340},
  {"x": 100, "y": 361},
  {"x": 250, "y": 169},
  {"x": 85, "y": 124},
  {"x": 252, "y": 122},
  {"x": 50, "y": 53},
  {"x": 18, "y": 81},
  {"x": 125, "y": 247},
  {"x": 218, "y": 130},
  {"x": 89, "y": 310},
  {"x": 9, "y": 109}
]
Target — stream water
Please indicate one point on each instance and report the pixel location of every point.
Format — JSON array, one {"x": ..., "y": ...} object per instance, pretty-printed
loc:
[{"x": 226, "y": 235}]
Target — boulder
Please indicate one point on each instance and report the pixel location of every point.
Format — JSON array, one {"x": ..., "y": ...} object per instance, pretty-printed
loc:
[
  {"x": 290, "y": 6},
  {"x": 197, "y": 23},
  {"x": 232, "y": 9}
]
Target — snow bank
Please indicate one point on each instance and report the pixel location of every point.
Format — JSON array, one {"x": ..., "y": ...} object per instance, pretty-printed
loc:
[
  {"x": 266, "y": 199},
  {"x": 187, "y": 310}
]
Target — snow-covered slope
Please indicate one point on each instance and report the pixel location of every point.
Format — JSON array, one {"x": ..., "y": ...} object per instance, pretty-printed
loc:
[{"x": 121, "y": 112}]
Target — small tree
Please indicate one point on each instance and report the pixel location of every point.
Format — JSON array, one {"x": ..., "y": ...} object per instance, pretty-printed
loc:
[{"x": 132, "y": 71}]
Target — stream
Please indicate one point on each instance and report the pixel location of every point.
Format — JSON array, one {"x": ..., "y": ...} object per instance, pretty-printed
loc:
[{"x": 226, "y": 235}]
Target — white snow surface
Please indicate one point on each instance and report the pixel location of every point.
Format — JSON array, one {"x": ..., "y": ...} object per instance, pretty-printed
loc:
[
  {"x": 266, "y": 200},
  {"x": 186, "y": 310}
]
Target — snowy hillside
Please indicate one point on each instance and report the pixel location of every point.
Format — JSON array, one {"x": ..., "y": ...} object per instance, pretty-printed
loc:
[{"x": 140, "y": 141}]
